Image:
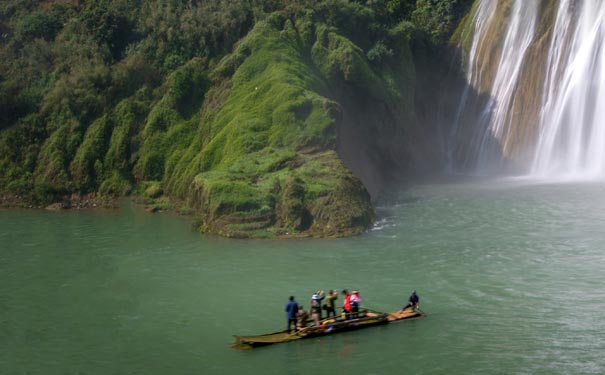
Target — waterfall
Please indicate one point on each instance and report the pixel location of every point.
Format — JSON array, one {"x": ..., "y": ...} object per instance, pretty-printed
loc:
[
  {"x": 535, "y": 89},
  {"x": 481, "y": 20},
  {"x": 572, "y": 122},
  {"x": 519, "y": 36},
  {"x": 493, "y": 127}
]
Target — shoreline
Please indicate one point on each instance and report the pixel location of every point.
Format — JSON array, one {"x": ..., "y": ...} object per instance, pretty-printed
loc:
[
  {"x": 163, "y": 204},
  {"x": 73, "y": 201}
]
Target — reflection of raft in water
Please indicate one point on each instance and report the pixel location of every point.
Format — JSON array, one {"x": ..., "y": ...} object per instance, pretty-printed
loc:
[{"x": 328, "y": 326}]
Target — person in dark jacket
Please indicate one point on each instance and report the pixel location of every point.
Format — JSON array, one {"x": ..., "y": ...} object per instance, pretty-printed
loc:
[
  {"x": 291, "y": 310},
  {"x": 413, "y": 302}
]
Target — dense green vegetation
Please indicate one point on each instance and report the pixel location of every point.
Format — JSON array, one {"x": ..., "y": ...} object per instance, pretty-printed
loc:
[{"x": 228, "y": 109}]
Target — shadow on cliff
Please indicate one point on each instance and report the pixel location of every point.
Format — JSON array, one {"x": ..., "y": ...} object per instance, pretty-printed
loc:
[
  {"x": 385, "y": 144},
  {"x": 464, "y": 120}
]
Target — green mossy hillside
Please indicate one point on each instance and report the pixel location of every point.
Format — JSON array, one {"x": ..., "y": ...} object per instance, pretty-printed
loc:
[
  {"x": 262, "y": 158},
  {"x": 255, "y": 116}
]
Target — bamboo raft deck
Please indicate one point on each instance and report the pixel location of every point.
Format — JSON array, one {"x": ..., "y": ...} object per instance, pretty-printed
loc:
[{"x": 327, "y": 326}]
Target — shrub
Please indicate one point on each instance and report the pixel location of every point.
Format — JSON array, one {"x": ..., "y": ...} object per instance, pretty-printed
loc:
[
  {"x": 39, "y": 24},
  {"x": 379, "y": 52}
]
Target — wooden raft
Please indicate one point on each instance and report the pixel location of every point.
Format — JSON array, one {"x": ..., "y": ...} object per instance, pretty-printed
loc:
[{"x": 327, "y": 326}]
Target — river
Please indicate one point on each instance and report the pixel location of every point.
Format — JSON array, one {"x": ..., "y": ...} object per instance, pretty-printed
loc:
[{"x": 510, "y": 273}]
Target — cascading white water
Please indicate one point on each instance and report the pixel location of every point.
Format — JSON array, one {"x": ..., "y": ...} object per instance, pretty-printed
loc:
[
  {"x": 572, "y": 122},
  {"x": 541, "y": 95},
  {"x": 518, "y": 38},
  {"x": 481, "y": 21},
  {"x": 493, "y": 128}
]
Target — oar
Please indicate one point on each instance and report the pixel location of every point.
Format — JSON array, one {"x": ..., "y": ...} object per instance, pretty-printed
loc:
[
  {"x": 374, "y": 311},
  {"x": 422, "y": 312}
]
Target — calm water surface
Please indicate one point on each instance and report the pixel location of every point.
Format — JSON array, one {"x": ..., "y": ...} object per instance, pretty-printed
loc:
[{"x": 511, "y": 274}]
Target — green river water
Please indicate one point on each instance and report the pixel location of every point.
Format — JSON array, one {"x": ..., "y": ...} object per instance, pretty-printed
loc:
[{"x": 511, "y": 274}]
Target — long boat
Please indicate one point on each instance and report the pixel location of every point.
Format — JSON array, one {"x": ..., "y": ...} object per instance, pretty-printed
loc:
[{"x": 327, "y": 326}]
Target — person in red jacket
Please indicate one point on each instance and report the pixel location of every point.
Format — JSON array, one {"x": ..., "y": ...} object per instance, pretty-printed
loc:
[{"x": 346, "y": 306}]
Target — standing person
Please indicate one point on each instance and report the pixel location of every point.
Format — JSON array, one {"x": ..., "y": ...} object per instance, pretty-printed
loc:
[
  {"x": 316, "y": 306},
  {"x": 346, "y": 305},
  {"x": 331, "y": 303},
  {"x": 291, "y": 310},
  {"x": 355, "y": 302},
  {"x": 301, "y": 318},
  {"x": 413, "y": 302}
]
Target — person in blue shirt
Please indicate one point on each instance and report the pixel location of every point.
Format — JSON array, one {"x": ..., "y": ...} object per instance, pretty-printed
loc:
[{"x": 291, "y": 310}]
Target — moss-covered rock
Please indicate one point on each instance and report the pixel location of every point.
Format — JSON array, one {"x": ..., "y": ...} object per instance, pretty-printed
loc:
[{"x": 264, "y": 150}]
